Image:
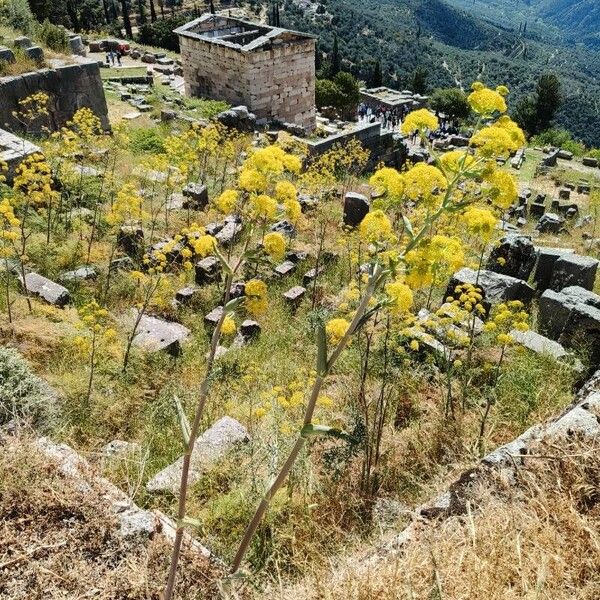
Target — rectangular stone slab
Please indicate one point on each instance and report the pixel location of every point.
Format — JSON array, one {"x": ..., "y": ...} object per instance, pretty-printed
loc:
[
  {"x": 210, "y": 447},
  {"x": 43, "y": 287},
  {"x": 155, "y": 334}
]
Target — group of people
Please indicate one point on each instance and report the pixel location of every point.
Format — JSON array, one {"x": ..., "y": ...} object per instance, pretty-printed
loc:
[
  {"x": 390, "y": 118},
  {"x": 113, "y": 56}
]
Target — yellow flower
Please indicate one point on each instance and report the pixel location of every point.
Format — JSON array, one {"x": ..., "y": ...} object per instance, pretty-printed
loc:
[
  {"x": 486, "y": 101},
  {"x": 325, "y": 401},
  {"x": 204, "y": 245},
  {"x": 502, "y": 188},
  {"x": 495, "y": 141},
  {"x": 263, "y": 206},
  {"x": 256, "y": 297},
  {"x": 419, "y": 120},
  {"x": 505, "y": 339},
  {"x": 426, "y": 183},
  {"x": 285, "y": 190},
  {"x": 480, "y": 222},
  {"x": 414, "y": 345},
  {"x": 400, "y": 295},
  {"x": 456, "y": 161},
  {"x": 227, "y": 200},
  {"x": 252, "y": 181},
  {"x": 228, "y": 327},
  {"x": 375, "y": 227},
  {"x": 389, "y": 181},
  {"x": 336, "y": 329},
  {"x": 292, "y": 209},
  {"x": 274, "y": 244}
]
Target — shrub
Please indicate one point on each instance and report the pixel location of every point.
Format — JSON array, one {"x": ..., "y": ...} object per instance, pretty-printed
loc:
[
  {"x": 23, "y": 395},
  {"x": 146, "y": 140},
  {"x": 160, "y": 33},
  {"x": 560, "y": 138},
  {"x": 53, "y": 36}
]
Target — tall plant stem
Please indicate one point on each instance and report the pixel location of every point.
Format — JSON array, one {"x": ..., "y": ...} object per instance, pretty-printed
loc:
[
  {"x": 189, "y": 447},
  {"x": 310, "y": 409}
]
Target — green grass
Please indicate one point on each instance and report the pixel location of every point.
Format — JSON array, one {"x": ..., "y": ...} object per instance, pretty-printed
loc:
[{"x": 111, "y": 74}]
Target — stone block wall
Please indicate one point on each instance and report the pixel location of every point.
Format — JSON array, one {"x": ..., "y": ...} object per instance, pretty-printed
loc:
[
  {"x": 70, "y": 87},
  {"x": 275, "y": 83}
]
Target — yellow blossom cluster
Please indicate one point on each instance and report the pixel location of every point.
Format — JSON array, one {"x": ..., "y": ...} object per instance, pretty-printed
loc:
[
  {"x": 336, "y": 329},
  {"x": 505, "y": 318},
  {"x": 419, "y": 120},
  {"x": 34, "y": 180},
  {"x": 274, "y": 245},
  {"x": 9, "y": 229},
  {"x": 486, "y": 101},
  {"x": 376, "y": 228},
  {"x": 400, "y": 297},
  {"x": 255, "y": 293},
  {"x": 467, "y": 297},
  {"x": 479, "y": 222},
  {"x": 96, "y": 320},
  {"x": 425, "y": 183},
  {"x": 127, "y": 206},
  {"x": 433, "y": 260}
]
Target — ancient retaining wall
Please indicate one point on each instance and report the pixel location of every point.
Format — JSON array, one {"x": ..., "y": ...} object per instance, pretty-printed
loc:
[{"x": 70, "y": 87}]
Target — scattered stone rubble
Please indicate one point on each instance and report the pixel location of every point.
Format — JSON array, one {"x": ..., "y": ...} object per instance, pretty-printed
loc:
[
  {"x": 581, "y": 420},
  {"x": 213, "y": 445}
]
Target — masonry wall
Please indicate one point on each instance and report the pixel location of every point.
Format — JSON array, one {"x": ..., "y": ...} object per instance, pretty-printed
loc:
[
  {"x": 282, "y": 83},
  {"x": 277, "y": 83},
  {"x": 70, "y": 87}
]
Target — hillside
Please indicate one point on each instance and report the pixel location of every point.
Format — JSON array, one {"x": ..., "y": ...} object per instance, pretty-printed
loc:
[
  {"x": 577, "y": 21},
  {"x": 455, "y": 48}
]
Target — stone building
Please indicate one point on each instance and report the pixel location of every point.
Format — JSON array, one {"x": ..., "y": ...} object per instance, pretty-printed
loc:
[{"x": 268, "y": 69}]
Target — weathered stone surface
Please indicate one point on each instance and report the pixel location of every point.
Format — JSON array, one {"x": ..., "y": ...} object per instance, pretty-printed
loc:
[
  {"x": 154, "y": 335},
  {"x": 13, "y": 150},
  {"x": 565, "y": 155},
  {"x": 495, "y": 287},
  {"x": 131, "y": 240},
  {"x": 249, "y": 329},
  {"x": 121, "y": 449},
  {"x": 7, "y": 55},
  {"x": 310, "y": 275},
  {"x": 187, "y": 294},
  {"x": 582, "y": 330},
  {"x": 545, "y": 265},
  {"x": 123, "y": 263},
  {"x": 285, "y": 228},
  {"x": 213, "y": 317},
  {"x": 574, "y": 270},
  {"x": 515, "y": 256},
  {"x": 208, "y": 270},
  {"x": 213, "y": 445},
  {"x": 80, "y": 274},
  {"x": 69, "y": 86},
  {"x": 229, "y": 233},
  {"x": 285, "y": 268},
  {"x": 238, "y": 118},
  {"x": 51, "y": 292},
  {"x": 589, "y": 161},
  {"x": 356, "y": 207},
  {"x": 539, "y": 344},
  {"x": 35, "y": 53},
  {"x": 196, "y": 195},
  {"x": 550, "y": 223},
  {"x": 582, "y": 420},
  {"x": 134, "y": 521},
  {"x": 295, "y": 294}
]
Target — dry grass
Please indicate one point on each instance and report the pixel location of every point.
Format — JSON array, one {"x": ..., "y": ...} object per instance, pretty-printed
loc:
[
  {"x": 539, "y": 538},
  {"x": 57, "y": 541}
]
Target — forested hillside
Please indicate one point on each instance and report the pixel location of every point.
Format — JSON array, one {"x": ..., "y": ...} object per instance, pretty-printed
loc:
[
  {"x": 577, "y": 21},
  {"x": 454, "y": 47}
]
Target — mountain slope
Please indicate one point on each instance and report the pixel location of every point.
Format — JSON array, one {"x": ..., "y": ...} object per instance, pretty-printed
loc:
[
  {"x": 455, "y": 48},
  {"x": 576, "y": 21}
]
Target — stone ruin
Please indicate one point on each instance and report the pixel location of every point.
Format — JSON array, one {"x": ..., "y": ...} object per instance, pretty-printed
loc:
[
  {"x": 69, "y": 86},
  {"x": 13, "y": 150},
  {"x": 270, "y": 70}
]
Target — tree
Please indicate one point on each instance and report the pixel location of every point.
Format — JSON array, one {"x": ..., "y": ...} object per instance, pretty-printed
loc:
[
  {"x": 418, "y": 81},
  {"x": 126, "y": 20},
  {"x": 452, "y": 102},
  {"x": 376, "y": 79},
  {"x": 341, "y": 92},
  {"x": 548, "y": 99},
  {"x": 336, "y": 61},
  {"x": 535, "y": 113},
  {"x": 153, "y": 11}
]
